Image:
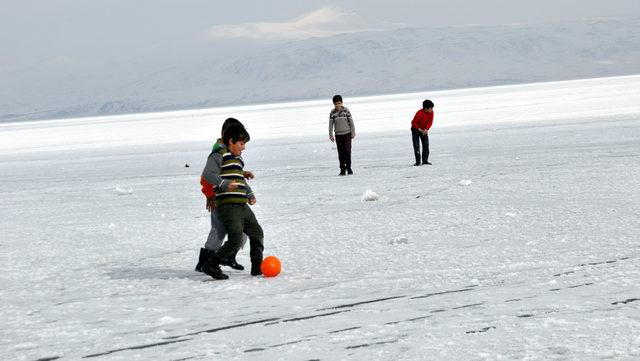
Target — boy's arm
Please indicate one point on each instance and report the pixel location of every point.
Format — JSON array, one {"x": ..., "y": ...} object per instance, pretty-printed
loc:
[
  {"x": 211, "y": 173},
  {"x": 430, "y": 121},
  {"x": 250, "y": 195},
  {"x": 248, "y": 174},
  {"x": 207, "y": 190},
  {"x": 351, "y": 124},
  {"x": 331, "y": 122},
  {"x": 414, "y": 122}
]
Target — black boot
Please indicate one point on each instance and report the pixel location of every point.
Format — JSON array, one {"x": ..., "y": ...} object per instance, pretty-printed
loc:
[
  {"x": 231, "y": 262},
  {"x": 349, "y": 171},
  {"x": 204, "y": 256},
  {"x": 212, "y": 268},
  {"x": 255, "y": 267}
]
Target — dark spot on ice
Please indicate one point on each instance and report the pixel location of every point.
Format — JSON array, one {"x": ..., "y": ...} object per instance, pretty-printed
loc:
[
  {"x": 185, "y": 358},
  {"x": 469, "y": 305},
  {"x": 313, "y": 316},
  {"x": 526, "y": 315},
  {"x": 140, "y": 347},
  {"x": 484, "y": 329},
  {"x": 628, "y": 300},
  {"x": 345, "y": 329},
  {"x": 564, "y": 273},
  {"x": 232, "y": 326},
  {"x": 370, "y": 344},
  {"x": 441, "y": 293},
  {"x": 291, "y": 342},
  {"x": 361, "y": 303}
]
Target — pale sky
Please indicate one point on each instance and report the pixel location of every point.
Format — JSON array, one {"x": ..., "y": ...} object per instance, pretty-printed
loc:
[{"x": 62, "y": 30}]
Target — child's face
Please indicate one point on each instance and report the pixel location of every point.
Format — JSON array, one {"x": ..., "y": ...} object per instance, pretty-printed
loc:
[
  {"x": 338, "y": 105},
  {"x": 428, "y": 110},
  {"x": 237, "y": 147}
]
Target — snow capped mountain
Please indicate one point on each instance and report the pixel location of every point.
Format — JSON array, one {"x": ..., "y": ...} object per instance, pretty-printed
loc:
[
  {"x": 353, "y": 64},
  {"x": 326, "y": 21}
]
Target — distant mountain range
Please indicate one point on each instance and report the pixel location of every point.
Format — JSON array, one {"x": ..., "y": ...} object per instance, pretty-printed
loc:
[{"x": 355, "y": 64}]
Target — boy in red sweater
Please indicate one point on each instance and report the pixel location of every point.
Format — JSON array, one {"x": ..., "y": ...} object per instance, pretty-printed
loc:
[{"x": 420, "y": 126}]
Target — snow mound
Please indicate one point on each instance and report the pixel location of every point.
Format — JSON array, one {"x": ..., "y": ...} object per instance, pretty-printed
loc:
[
  {"x": 465, "y": 182},
  {"x": 399, "y": 240},
  {"x": 124, "y": 191},
  {"x": 369, "y": 196}
]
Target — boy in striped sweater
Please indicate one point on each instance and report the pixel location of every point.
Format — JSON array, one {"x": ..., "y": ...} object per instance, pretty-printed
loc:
[
  {"x": 218, "y": 232},
  {"x": 225, "y": 170}
]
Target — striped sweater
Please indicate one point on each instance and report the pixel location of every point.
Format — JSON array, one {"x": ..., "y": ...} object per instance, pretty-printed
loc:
[
  {"x": 221, "y": 169},
  {"x": 341, "y": 121}
]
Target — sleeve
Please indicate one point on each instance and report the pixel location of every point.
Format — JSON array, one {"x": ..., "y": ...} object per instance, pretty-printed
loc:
[
  {"x": 207, "y": 189},
  {"x": 351, "y": 124},
  {"x": 430, "y": 120},
  {"x": 331, "y": 124},
  {"x": 211, "y": 172},
  {"x": 249, "y": 191},
  {"x": 414, "y": 122}
]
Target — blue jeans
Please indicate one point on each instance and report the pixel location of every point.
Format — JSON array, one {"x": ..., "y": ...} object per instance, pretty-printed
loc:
[{"x": 417, "y": 137}]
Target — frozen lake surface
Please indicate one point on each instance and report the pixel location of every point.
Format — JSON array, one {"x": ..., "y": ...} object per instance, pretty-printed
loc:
[{"x": 522, "y": 241}]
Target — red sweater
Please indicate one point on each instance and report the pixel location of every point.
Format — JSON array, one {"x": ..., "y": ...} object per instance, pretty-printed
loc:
[
  {"x": 207, "y": 188},
  {"x": 422, "y": 120}
]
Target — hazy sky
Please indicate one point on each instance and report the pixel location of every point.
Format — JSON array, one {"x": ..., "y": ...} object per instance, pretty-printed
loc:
[{"x": 59, "y": 30}]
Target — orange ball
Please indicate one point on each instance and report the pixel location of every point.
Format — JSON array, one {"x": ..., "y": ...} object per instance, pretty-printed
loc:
[{"x": 270, "y": 266}]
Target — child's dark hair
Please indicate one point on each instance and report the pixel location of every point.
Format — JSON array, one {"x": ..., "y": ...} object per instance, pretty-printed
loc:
[
  {"x": 337, "y": 98},
  {"x": 235, "y": 132},
  {"x": 228, "y": 122},
  {"x": 426, "y": 104}
]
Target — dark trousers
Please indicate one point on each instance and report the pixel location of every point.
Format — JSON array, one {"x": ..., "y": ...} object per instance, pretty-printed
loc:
[
  {"x": 239, "y": 219},
  {"x": 343, "y": 143},
  {"x": 417, "y": 137}
]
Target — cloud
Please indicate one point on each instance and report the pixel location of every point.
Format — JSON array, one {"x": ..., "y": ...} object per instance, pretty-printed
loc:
[{"x": 323, "y": 22}]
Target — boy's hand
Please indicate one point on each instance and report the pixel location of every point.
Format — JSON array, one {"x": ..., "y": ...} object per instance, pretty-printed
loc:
[
  {"x": 211, "y": 204},
  {"x": 248, "y": 175},
  {"x": 232, "y": 186},
  {"x": 332, "y": 139},
  {"x": 252, "y": 201},
  {"x": 353, "y": 135}
]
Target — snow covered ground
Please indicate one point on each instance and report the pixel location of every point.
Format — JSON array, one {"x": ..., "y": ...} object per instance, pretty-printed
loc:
[{"x": 520, "y": 242}]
